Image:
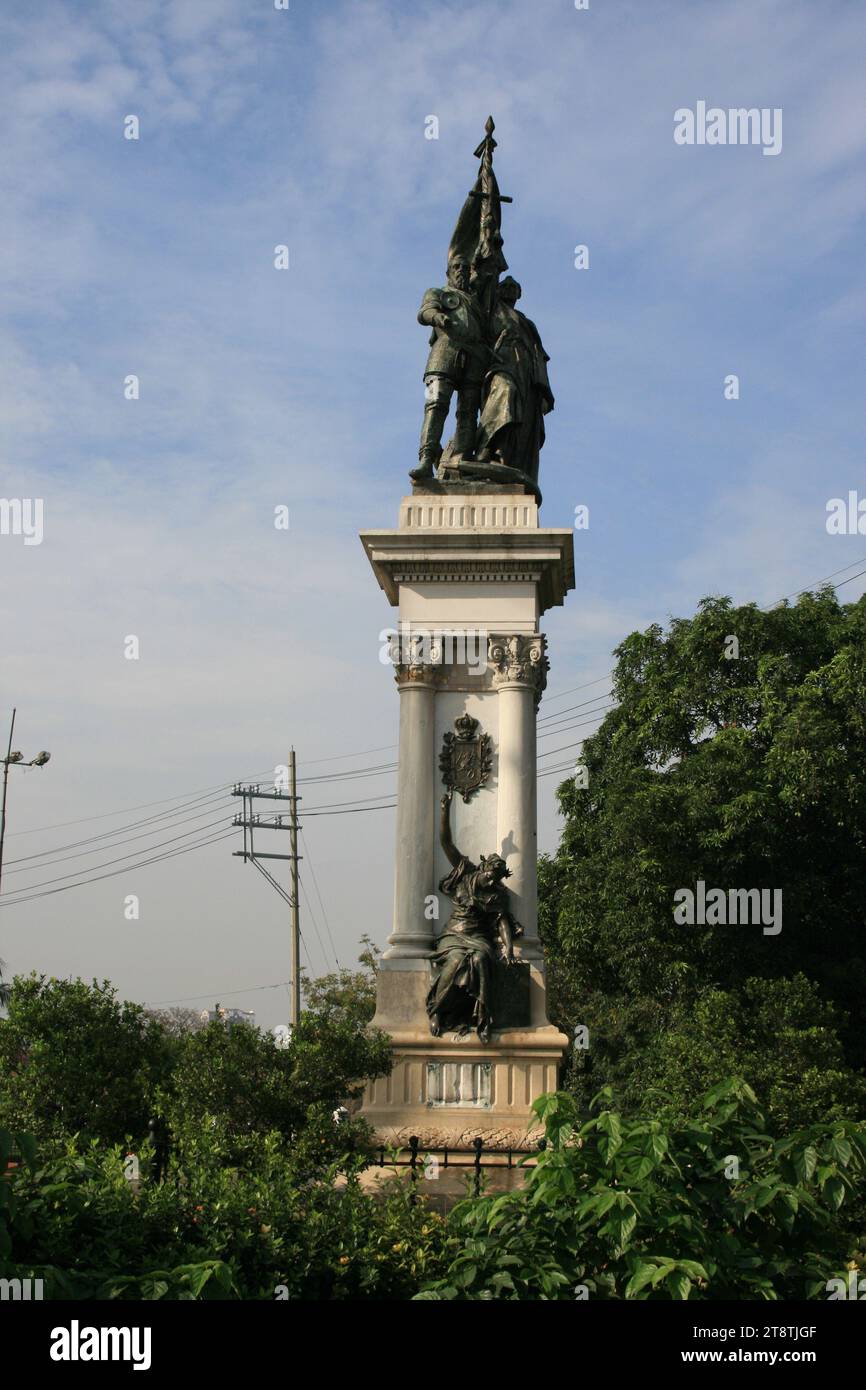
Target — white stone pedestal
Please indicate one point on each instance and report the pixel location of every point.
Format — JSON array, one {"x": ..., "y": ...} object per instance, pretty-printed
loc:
[{"x": 471, "y": 573}]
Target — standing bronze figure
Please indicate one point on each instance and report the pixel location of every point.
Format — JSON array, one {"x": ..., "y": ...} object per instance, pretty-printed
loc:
[
  {"x": 479, "y": 935},
  {"x": 459, "y": 357},
  {"x": 485, "y": 350},
  {"x": 517, "y": 390}
]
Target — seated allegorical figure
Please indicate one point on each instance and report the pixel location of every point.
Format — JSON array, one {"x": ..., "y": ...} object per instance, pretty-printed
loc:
[{"x": 480, "y": 931}]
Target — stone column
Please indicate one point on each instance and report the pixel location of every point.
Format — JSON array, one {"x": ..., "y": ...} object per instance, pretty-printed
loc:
[
  {"x": 412, "y": 936},
  {"x": 519, "y": 667}
]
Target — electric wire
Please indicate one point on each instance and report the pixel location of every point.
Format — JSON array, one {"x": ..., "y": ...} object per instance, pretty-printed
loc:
[
  {"x": 83, "y": 854},
  {"x": 215, "y": 994},
  {"x": 309, "y": 860},
  {"x": 552, "y": 724},
  {"x": 129, "y": 868}
]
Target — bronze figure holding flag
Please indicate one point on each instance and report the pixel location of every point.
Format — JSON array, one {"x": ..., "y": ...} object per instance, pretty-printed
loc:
[{"x": 484, "y": 350}]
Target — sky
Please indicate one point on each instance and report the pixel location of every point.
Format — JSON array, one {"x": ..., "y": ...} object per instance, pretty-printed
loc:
[{"x": 301, "y": 388}]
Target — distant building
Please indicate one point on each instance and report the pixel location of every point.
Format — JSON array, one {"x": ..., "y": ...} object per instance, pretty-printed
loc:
[{"x": 229, "y": 1016}]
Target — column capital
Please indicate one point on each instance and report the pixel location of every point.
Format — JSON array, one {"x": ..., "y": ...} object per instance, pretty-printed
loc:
[
  {"x": 417, "y": 660},
  {"x": 519, "y": 659},
  {"x": 422, "y": 676}
]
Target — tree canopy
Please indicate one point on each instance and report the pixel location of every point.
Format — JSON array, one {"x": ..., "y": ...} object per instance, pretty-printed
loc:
[{"x": 735, "y": 756}]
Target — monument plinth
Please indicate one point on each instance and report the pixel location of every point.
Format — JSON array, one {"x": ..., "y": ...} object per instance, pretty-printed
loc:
[
  {"x": 471, "y": 573},
  {"x": 461, "y": 986}
]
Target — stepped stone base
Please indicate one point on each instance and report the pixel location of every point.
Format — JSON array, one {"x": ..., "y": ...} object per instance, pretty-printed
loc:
[{"x": 453, "y": 1089}]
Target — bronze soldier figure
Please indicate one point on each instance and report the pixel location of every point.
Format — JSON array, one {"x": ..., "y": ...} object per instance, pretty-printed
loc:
[{"x": 457, "y": 362}]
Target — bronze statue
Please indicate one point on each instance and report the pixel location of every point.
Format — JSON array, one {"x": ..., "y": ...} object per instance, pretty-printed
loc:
[
  {"x": 483, "y": 348},
  {"x": 458, "y": 359},
  {"x": 479, "y": 935},
  {"x": 517, "y": 390}
]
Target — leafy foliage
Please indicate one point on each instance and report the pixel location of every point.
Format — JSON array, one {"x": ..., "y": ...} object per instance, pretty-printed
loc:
[
  {"x": 240, "y": 1084},
  {"x": 742, "y": 773},
  {"x": 73, "y": 1058},
  {"x": 215, "y": 1231},
  {"x": 620, "y": 1208}
]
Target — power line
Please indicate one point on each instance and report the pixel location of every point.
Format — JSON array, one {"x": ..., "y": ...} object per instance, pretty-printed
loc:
[
  {"x": 849, "y": 579},
  {"x": 338, "y": 757},
  {"x": 188, "y": 798},
  {"x": 43, "y": 889},
  {"x": 550, "y": 731},
  {"x": 338, "y": 805},
  {"x": 179, "y": 810},
  {"x": 171, "y": 840},
  {"x": 319, "y": 896},
  {"x": 104, "y": 815},
  {"x": 561, "y": 714},
  {"x": 550, "y": 725},
  {"x": 215, "y": 994},
  {"x": 809, "y": 587},
  {"x": 806, "y": 588},
  {"x": 312, "y": 918},
  {"x": 83, "y": 854},
  {"x": 362, "y": 773},
  {"x": 557, "y": 771},
  {"x": 549, "y": 699},
  {"x": 26, "y": 897},
  {"x": 551, "y": 753}
]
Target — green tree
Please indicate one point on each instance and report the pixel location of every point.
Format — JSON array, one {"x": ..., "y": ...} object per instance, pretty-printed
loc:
[
  {"x": 346, "y": 995},
  {"x": 778, "y": 1032},
  {"x": 739, "y": 764},
  {"x": 214, "y": 1231},
  {"x": 76, "y": 1060},
  {"x": 242, "y": 1083}
]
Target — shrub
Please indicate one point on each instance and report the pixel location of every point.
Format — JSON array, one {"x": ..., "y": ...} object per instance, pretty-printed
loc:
[{"x": 630, "y": 1209}]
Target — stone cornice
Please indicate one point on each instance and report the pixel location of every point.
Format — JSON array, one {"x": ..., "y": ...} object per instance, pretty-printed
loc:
[{"x": 543, "y": 557}]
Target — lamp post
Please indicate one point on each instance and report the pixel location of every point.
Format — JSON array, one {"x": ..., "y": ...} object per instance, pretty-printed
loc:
[{"x": 15, "y": 759}]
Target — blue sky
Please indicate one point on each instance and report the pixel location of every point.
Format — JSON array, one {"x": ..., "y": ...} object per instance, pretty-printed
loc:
[{"x": 155, "y": 257}]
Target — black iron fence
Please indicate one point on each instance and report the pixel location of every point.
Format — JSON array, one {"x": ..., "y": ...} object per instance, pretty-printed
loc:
[
  {"x": 476, "y": 1157},
  {"x": 414, "y": 1155}
]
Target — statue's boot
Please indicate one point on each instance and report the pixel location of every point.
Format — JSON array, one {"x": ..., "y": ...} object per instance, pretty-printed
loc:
[
  {"x": 429, "y": 457},
  {"x": 465, "y": 423},
  {"x": 430, "y": 448}
]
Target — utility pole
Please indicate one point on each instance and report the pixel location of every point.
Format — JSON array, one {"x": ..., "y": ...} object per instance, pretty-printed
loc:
[
  {"x": 295, "y": 1012},
  {"x": 251, "y": 821}
]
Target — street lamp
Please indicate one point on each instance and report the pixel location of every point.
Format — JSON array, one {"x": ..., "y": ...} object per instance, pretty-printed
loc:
[{"x": 14, "y": 759}]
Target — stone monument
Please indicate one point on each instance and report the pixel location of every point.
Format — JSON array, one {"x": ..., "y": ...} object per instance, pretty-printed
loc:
[{"x": 461, "y": 986}]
